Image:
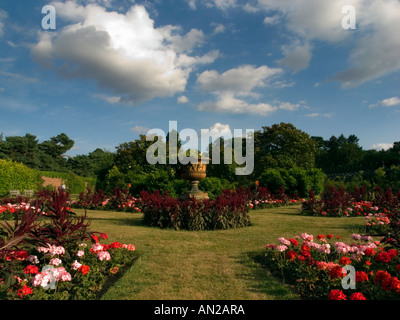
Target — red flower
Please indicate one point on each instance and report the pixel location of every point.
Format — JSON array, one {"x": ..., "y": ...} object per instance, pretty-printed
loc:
[
  {"x": 337, "y": 295},
  {"x": 95, "y": 238},
  {"x": 24, "y": 291},
  {"x": 392, "y": 253},
  {"x": 335, "y": 272},
  {"x": 369, "y": 252},
  {"x": 291, "y": 255},
  {"x": 31, "y": 269},
  {"x": 383, "y": 257},
  {"x": 305, "y": 254},
  {"x": 104, "y": 236},
  {"x": 84, "y": 269},
  {"x": 320, "y": 236},
  {"x": 344, "y": 261},
  {"x": 398, "y": 268},
  {"x": 381, "y": 275},
  {"x": 361, "y": 276},
  {"x": 329, "y": 236},
  {"x": 305, "y": 247},
  {"x": 395, "y": 284},
  {"x": 17, "y": 255},
  {"x": 294, "y": 242},
  {"x": 357, "y": 296}
]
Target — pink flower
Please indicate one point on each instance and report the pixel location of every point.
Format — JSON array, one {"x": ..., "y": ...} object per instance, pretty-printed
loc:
[
  {"x": 103, "y": 255},
  {"x": 80, "y": 253},
  {"x": 97, "y": 247},
  {"x": 76, "y": 265},
  {"x": 33, "y": 259},
  {"x": 130, "y": 247},
  {"x": 55, "y": 262},
  {"x": 306, "y": 236},
  {"x": 284, "y": 241},
  {"x": 281, "y": 248}
]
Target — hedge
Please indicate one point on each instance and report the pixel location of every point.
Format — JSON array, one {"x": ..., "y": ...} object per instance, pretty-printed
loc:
[{"x": 16, "y": 176}]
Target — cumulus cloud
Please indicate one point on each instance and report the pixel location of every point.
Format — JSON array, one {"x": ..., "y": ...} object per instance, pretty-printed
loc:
[
  {"x": 122, "y": 52},
  {"x": 227, "y": 102},
  {"x": 241, "y": 80},
  {"x": 220, "y": 127},
  {"x": 389, "y": 102},
  {"x": 235, "y": 91},
  {"x": 183, "y": 99},
  {"x": 376, "y": 52},
  {"x": 375, "y": 42}
]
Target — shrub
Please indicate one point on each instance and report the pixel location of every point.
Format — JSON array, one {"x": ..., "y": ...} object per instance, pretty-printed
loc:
[
  {"x": 214, "y": 186},
  {"x": 16, "y": 176},
  {"x": 228, "y": 210}
]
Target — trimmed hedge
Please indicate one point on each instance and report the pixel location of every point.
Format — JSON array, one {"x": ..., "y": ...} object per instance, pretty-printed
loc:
[{"x": 16, "y": 176}]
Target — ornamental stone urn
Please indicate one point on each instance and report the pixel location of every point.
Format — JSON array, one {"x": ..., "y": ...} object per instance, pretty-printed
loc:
[{"x": 194, "y": 172}]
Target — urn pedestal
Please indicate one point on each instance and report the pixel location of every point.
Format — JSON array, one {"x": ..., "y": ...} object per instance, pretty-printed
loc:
[{"x": 194, "y": 172}]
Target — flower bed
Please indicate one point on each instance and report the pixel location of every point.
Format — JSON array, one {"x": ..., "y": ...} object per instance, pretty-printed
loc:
[
  {"x": 228, "y": 210},
  {"x": 121, "y": 200},
  {"x": 58, "y": 257},
  {"x": 314, "y": 266},
  {"x": 338, "y": 202}
]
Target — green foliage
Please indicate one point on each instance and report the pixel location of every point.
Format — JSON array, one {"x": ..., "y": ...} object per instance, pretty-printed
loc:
[
  {"x": 47, "y": 155},
  {"x": 16, "y": 176},
  {"x": 214, "y": 186},
  {"x": 283, "y": 146},
  {"x": 294, "y": 180}
]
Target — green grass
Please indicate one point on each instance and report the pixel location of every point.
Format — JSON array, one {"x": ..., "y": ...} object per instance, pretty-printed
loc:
[{"x": 208, "y": 265}]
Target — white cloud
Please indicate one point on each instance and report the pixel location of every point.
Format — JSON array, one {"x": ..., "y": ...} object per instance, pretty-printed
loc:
[
  {"x": 227, "y": 102},
  {"x": 112, "y": 100},
  {"x": 183, "y": 99},
  {"x": 389, "y": 102},
  {"x": 319, "y": 115},
  {"x": 122, "y": 52},
  {"x": 272, "y": 20},
  {"x": 375, "y": 41},
  {"x": 219, "y": 28},
  {"x": 381, "y": 146},
  {"x": 241, "y": 80},
  {"x": 220, "y": 126},
  {"x": 140, "y": 129},
  {"x": 234, "y": 91},
  {"x": 18, "y": 77},
  {"x": 376, "y": 51}
]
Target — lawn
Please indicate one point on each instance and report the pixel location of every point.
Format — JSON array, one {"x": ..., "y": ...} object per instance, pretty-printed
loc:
[{"x": 208, "y": 265}]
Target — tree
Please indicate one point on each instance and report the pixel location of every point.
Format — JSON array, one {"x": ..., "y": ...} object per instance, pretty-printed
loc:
[
  {"x": 283, "y": 146},
  {"x": 339, "y": 154}
]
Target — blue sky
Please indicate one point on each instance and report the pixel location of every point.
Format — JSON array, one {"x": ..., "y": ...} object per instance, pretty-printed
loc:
[{"x": 114, "y": 69}]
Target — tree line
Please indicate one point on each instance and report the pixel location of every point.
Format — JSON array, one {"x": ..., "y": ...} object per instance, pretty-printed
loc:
[{"x": 283, "y": 155}]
